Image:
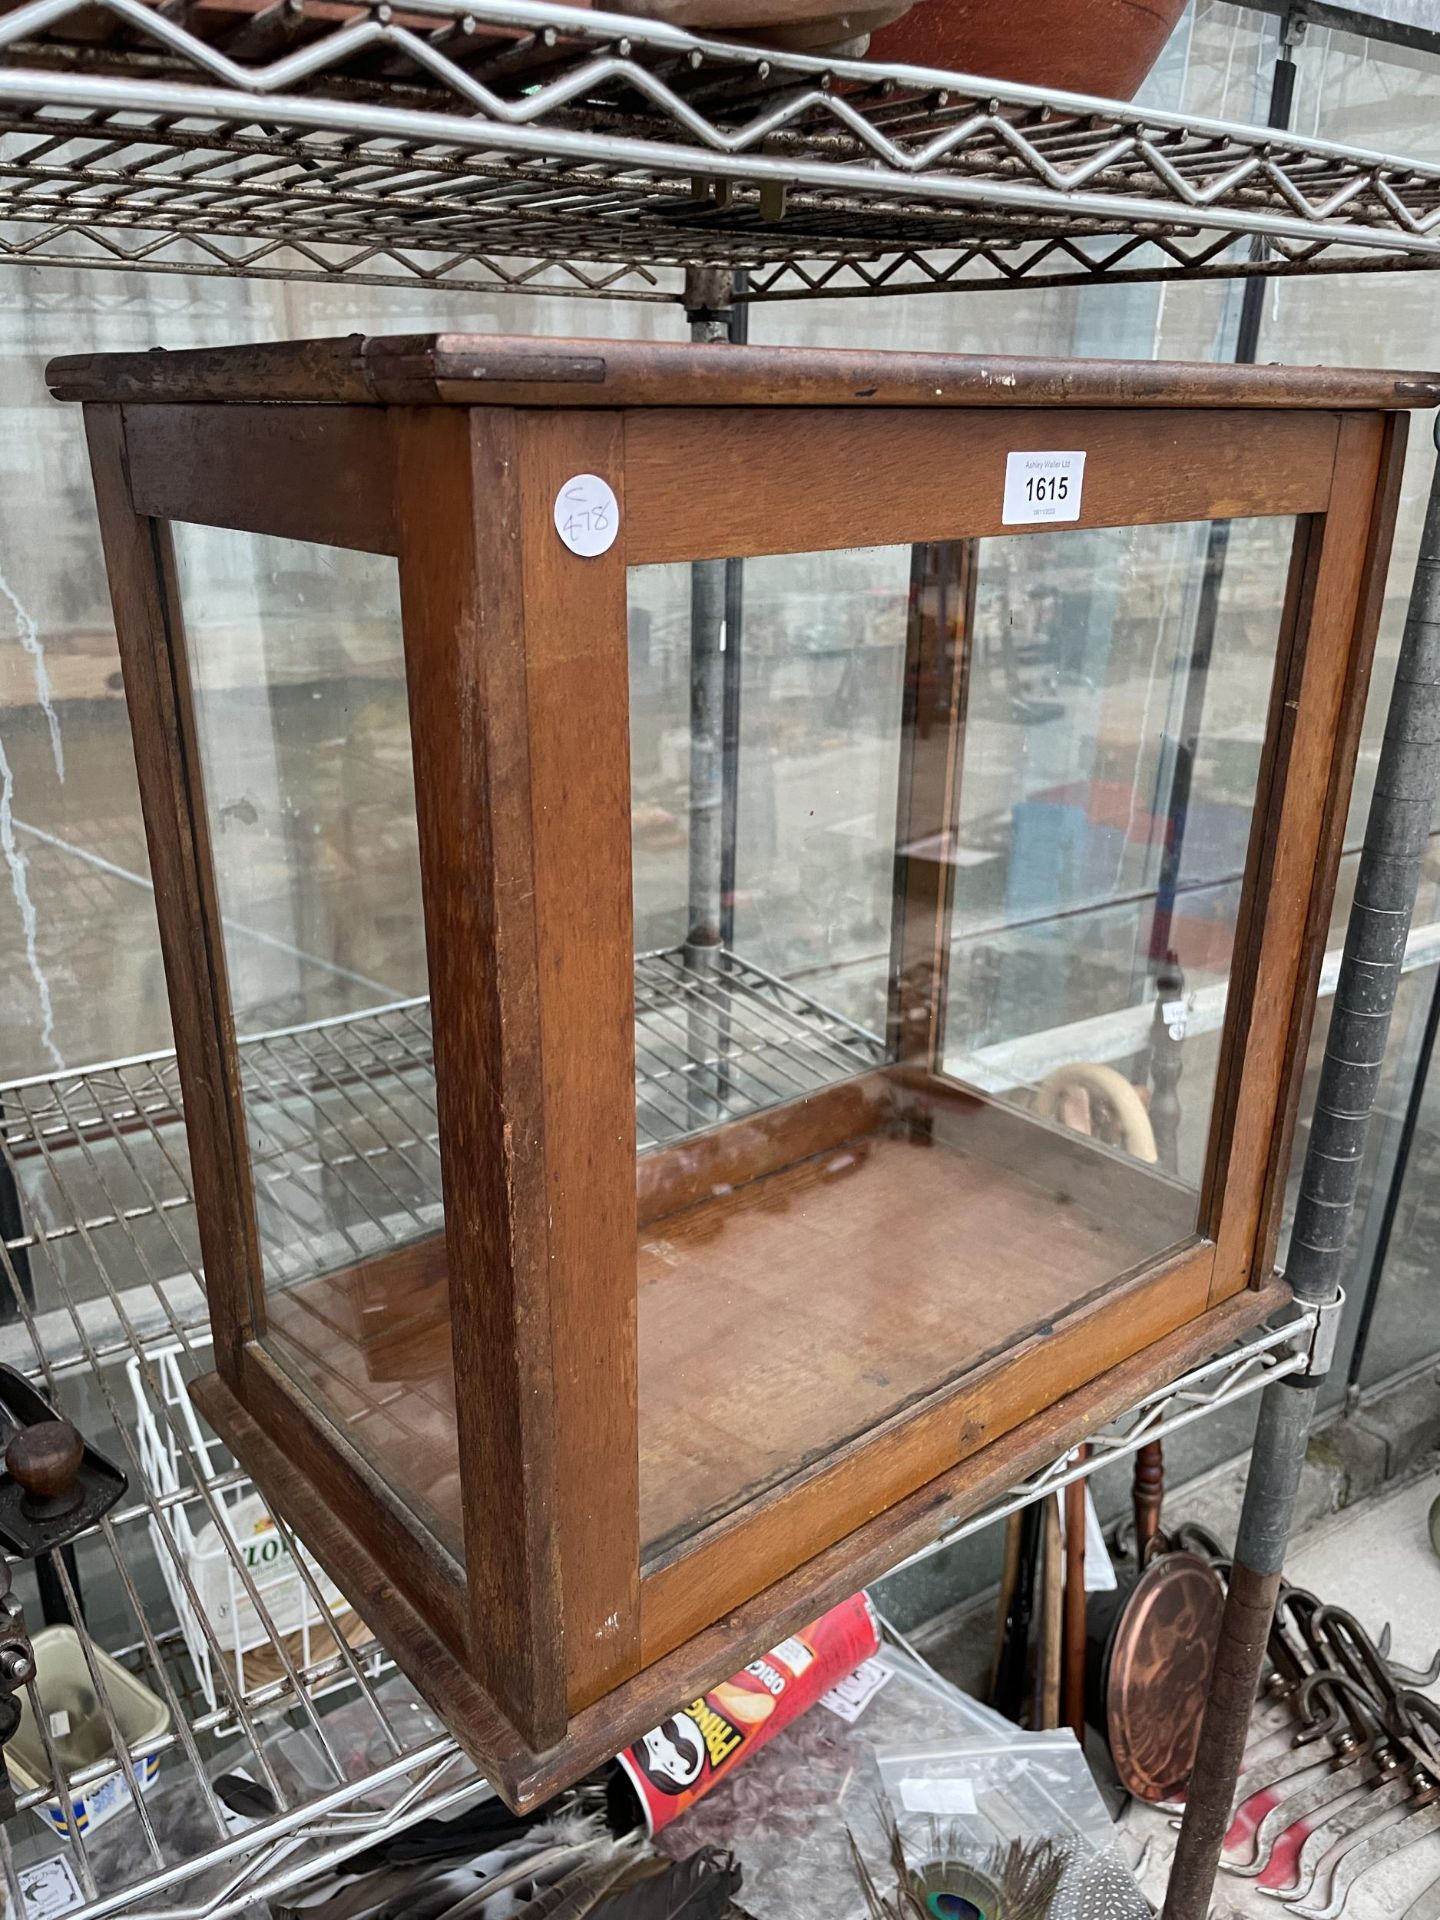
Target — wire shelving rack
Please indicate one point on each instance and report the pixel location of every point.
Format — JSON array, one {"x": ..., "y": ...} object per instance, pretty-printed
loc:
[
  {"x": 103, "y": 1282},
  {"x": 517, "y": 146},
  {"x": 524, "y": 146}
]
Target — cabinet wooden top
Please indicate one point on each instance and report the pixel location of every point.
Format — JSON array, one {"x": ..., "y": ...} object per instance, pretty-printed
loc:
[{"x": 460, "y": 369}]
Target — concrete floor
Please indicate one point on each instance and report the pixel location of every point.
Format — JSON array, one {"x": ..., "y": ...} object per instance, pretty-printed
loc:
[{"x": 1374, "y": 1558}]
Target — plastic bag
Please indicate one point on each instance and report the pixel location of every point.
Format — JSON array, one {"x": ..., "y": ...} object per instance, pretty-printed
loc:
[
  {"x": 995, "y": 1788},
  {"x": 961, "y": 1805},
  {"x": 788, "y": 1814},
  {"x": 784, "y": 1814}
]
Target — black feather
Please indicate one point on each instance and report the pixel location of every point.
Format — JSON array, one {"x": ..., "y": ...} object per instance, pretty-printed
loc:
[
  {"x": 698, "y": 1888},
  {"x": 574, "y": 1896},
  {"x": 489, "y": 1825}
]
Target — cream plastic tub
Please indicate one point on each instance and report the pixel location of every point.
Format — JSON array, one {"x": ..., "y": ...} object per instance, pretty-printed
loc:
[{"x": 78, "y": 1732}]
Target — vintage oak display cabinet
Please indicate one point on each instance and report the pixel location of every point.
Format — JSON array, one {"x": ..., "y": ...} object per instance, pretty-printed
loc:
[{"x": 741, "y": 927}]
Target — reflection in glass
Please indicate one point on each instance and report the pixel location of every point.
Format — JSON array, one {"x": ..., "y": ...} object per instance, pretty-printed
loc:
[
  {"x": 299, "y": 687},
  {"x": 1114, "y": 729},
  {"x": 950, "y": 1068}
]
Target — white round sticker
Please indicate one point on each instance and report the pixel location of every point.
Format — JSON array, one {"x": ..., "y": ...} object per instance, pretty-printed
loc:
[{"x": 587, "y": 515}]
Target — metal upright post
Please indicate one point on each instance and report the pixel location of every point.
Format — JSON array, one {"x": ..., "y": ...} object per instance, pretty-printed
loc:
[
  {"x": 733, "y": 670},
  {"x": 1379, "y": 1252},
  {"x": 709, "y": 292},
  {"x": 1385, "y": 888},
  {"x": 707, "y": 305}
]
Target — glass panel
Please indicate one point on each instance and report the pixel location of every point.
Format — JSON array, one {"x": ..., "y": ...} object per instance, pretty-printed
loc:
[
  {"x": 935, "y": 1061},
  {"x": 299, "y": 685},
  {"x": 1114, "y": 729},
  {"x": 819, "y": 741}
]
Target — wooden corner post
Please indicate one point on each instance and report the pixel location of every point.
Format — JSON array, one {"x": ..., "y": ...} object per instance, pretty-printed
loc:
[
  {"x": 149, "y": 627},
  {"x": 518, "y": 686}
]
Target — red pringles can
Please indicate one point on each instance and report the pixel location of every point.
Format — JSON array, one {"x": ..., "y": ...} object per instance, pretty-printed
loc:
[{"x": 706, "y": 1739}]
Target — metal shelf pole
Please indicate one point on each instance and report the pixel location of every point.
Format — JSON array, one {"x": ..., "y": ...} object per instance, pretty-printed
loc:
[
  {"x": 708, "y": 305},
  {"x": 1385, "y": 890},
  {"x": 1379, "y": 1252}
]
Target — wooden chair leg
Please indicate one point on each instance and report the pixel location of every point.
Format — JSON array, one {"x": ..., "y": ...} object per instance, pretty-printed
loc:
[
  {"x": 1052, "y": 1630},
  {"x": 1148, "y": 1493}
]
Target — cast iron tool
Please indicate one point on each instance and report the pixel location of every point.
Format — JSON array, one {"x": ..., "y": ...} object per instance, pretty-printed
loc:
[
  {"x": 1335, "y": 1647},
  {"x": 1362, "y": 1757},
  {"x": 1364, "y": 1854},
  {"x": 1293, "y": 1761},
  {"x": 1408, "y": 1716},
  {"x": 1294, "y": 1649},
  {"x": 1363, "y": 1686},
  {"x": 1322, "y": 1644},
  {"x": 1321, "y": 1841},
  {"x": 1414, "y": 1721},
  {"x": 1408, "y": 1759},
  {"x": 1341, "y": 1630},
  {"x": 1410, "y": 1676},
  {"x": 55, "y": 1483},
  {"x": 17, "y": 1667},
  {"x": 1317, "y": 1795}
]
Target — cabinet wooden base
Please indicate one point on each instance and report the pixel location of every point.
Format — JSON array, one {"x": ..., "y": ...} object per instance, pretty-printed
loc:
[
  {"x": 898, "y": 1230},
  {"x": 524, "y": 1777}
]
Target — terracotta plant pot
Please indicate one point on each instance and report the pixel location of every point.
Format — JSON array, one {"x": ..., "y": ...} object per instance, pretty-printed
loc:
[
  {"x": 774, "y": 22},
  {"x": 1081, "y": 46}
]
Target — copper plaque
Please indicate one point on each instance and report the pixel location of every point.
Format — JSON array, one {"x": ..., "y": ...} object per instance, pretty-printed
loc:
[{"x": 1159, "y": 1674}]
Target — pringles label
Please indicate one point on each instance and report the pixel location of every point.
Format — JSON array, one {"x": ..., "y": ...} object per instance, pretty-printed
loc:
[{"x": 706, "y": 1738}]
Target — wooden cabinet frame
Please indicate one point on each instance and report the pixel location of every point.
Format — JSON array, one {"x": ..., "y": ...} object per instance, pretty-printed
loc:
[{"x": 556, "y": 1641}]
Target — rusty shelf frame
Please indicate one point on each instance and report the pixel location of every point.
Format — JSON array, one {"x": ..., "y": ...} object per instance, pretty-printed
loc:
[{"x": 521, "y": 146}]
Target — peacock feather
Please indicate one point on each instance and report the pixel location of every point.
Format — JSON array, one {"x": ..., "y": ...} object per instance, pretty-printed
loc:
[{"x": 1014, "y": 1880}]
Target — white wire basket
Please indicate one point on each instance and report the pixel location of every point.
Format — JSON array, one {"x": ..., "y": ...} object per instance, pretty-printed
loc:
[{"x": 246, "y": 1638}]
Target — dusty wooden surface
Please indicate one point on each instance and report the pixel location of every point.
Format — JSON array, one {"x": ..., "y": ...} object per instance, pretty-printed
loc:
[{"x": 472, "y": 369}]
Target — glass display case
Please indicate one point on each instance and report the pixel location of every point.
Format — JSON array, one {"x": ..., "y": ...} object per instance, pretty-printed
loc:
[{"x": 740, "y": 926}]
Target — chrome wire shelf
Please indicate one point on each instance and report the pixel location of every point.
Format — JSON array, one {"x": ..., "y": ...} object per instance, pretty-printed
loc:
[
  {"x": 493, "y": 147},
  {"x": 99, "y": 1283},
  {"x": 344, "y": 1109},
  {"x": 102, "y": 1290},
  {"x": 720, "y": 1040},
  {"x": 521, "y": 145},
  {"x": 346, "y": 1112},
  {"x": 1245, "y": 1368}
]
